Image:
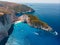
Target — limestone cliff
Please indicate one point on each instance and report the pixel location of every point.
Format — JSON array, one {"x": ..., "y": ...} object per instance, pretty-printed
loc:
[{"x": 7, "y": 16}]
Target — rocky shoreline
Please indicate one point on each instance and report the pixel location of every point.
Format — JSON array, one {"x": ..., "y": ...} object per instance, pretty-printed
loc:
[{"x": 8, "y": 12}]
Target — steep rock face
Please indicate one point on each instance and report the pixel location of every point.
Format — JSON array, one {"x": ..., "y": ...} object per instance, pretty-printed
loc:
[
  {"x": 5, "y": 24},
  {"x": 8, "y": 17}
]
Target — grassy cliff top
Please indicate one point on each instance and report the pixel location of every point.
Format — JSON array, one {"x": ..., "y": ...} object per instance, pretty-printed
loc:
[
  {"x": 8, "y": 6},
  {"x": 36, "y": 20},
  {"x": 5, "y": 10}
]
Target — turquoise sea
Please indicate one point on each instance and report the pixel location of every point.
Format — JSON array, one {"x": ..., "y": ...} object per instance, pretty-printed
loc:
[{"x": 23, "y": 34}]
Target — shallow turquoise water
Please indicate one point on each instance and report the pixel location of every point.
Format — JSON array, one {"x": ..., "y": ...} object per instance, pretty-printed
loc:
[{"x": 23, "y": 34}]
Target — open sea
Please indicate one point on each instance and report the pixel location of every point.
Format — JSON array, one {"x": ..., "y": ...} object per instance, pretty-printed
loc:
[{"x": 23, "y": 34}]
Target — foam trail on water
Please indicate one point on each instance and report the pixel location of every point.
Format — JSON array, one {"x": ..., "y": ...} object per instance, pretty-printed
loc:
[
  {"x": 56, "y": 33},
  {"x": 36, "y": 33}
]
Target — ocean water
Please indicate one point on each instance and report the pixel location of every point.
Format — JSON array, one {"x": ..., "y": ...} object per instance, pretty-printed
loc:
[{"x": 23, "y": 34}]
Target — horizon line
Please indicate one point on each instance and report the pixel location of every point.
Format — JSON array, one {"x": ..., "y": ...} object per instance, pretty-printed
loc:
[{"x": 34, "y": 2}]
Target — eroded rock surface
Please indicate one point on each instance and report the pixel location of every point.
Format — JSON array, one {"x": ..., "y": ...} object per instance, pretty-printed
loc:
[{"x": 8, "y": 17}]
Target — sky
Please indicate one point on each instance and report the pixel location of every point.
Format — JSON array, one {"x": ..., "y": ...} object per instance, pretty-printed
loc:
[{"x": 33, "y": 1}]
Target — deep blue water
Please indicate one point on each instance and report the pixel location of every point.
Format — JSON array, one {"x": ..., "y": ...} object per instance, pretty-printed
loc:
[{"x": 23, "y": 34}]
